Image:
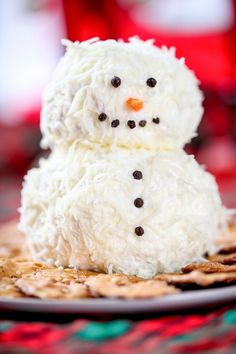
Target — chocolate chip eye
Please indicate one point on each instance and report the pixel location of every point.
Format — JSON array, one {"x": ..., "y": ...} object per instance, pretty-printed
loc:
[
  {"x": 116, "y": 81},
  {"x": 137, "y": 174},
  {"x": 151, "y": 82}
]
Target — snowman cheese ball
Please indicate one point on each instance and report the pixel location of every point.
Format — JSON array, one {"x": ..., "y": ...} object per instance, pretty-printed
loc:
[{"x": 118, "y": 193}]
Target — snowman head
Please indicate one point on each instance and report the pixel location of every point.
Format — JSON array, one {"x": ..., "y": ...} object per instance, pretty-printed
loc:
[{"x": 130, "y": 94}]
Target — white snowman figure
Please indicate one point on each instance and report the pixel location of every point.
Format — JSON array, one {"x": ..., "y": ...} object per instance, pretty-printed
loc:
[{"x": 118, "y": 193}]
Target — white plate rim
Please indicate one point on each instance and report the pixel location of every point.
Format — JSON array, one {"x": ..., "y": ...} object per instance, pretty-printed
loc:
[{"x": 185, "y": 300}]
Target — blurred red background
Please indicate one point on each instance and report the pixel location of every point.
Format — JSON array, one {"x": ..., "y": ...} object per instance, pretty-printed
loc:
[{"x": 203, "y": 31}]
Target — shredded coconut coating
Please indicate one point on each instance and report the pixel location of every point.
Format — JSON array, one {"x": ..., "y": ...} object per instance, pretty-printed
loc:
[
  {"x": 118, "y": 193},
  {"x": 81, "y": 89},
  {"x": 78, "y": 210}
]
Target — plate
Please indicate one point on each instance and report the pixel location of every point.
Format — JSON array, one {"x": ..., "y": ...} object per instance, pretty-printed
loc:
[{"x": 183, "y": 301}]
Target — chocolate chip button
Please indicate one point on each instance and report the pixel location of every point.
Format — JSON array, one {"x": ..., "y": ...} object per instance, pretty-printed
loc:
[
  {"x": 115, "y": 123},
  {"x": 142, "y": 123},
  {"x": 138, "y": 202},
  {"x": 139, "y": 231},
  {"x": 102, "y": 117},
  {"x": 137, "y": 175},
  {"x": 131, "y": 124},
  {"x": 156, "y": 120}
]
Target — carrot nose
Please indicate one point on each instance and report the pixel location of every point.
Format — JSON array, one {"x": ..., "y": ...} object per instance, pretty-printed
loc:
[{"x": 134, "y": 104}]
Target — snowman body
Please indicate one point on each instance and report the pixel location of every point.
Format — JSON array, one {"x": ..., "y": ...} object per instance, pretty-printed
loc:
[{"x": 118, "y": 193}]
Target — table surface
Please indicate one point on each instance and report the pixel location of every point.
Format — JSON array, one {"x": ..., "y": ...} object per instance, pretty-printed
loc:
[{"x": 208, "y": 330}]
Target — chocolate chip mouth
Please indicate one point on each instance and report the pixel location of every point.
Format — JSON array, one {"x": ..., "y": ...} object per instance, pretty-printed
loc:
[
  {"x": 115, "y": 123},
  {"x": 142, "y": 123},
  {"x": 131, "y": 124},
  {"x": 156, "y": 120}
]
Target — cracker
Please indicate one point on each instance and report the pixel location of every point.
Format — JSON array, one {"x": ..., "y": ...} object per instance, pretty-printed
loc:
[
  {"x": 197, "y": 278},
  {"x": 17, "y": 268},
  {"x": 120, "y": 286},
  {"x": 39, "y": 280},
  {"x": 227, "y": 248},
  {"x": 209, "y": 267},
  {"x": 51, "y": 289},
  {"x": 65, "y": 276},
  {"x": 8, "y": 288},
  {"x": 224, "y": 258}
]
